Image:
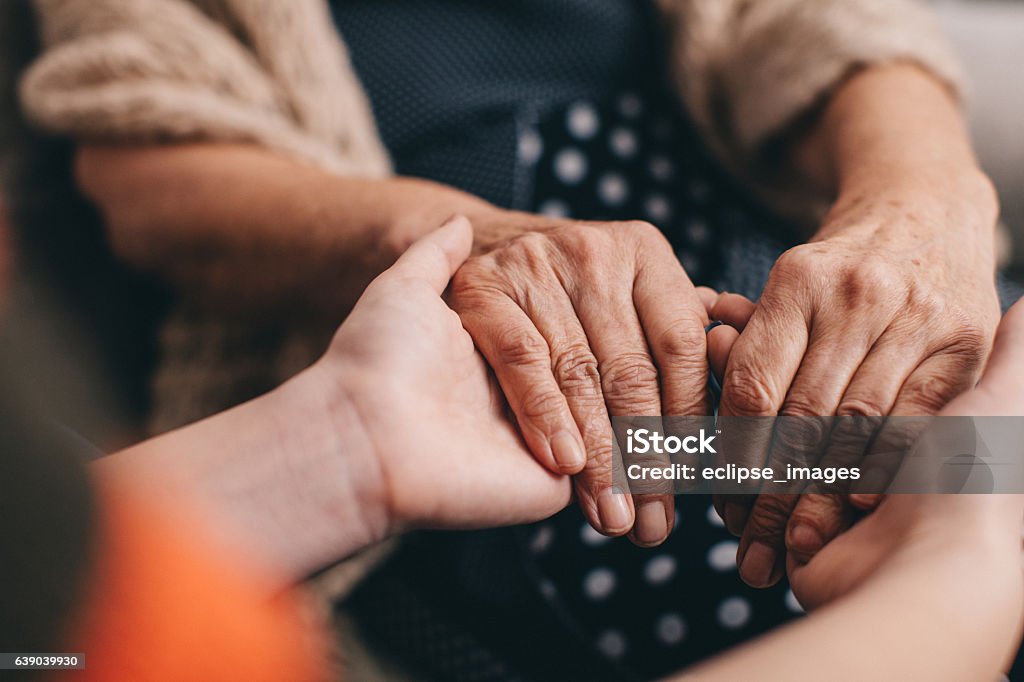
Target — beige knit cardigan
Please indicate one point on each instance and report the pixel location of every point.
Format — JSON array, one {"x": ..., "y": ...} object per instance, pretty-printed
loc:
[{"x": 275, "y": 73}]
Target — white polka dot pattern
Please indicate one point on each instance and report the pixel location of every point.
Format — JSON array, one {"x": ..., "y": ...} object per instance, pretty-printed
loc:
[
  {"x": 570, "y": 166},
  {"x": 612, "y": 643},
  {"x": 734, "y": 613},
  {"x": 722, "y": 556},
  {"x": 531, "y": 146},
  {"x": 612, "y": 189},
  {"x": 591, "y": 537},
  {"x": 670, "y": 629},
  {"x": 599, "y": 584},
  {"x": 582, "y": 121},
  {"x": 623, "y": 142},
  {"x": 660, "y": 569},
  {"x": 542, "y": 539}
]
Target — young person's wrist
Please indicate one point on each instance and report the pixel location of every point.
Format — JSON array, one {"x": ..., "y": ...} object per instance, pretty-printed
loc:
[{"x": 334, "y": 470}]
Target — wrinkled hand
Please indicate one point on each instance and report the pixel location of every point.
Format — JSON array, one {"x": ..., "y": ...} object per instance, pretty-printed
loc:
[
  {"x": 890, "y": 310},
  {"x": 910, "y": 525},
  {"x": 580, "y": 322},
  {"x": 446, "y": 454}
]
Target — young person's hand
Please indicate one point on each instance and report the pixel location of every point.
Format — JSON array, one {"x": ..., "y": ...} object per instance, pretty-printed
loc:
[
  {"x": 406, "y": 379},
  {"x": 399, "y": 425}
]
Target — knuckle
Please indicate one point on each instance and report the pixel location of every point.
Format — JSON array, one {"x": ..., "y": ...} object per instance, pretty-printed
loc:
[
  {"x": 861, "y": 407},
  {"x": 818, "y": 510},
  {"x": 683, "y": 342},
  {"x": 583, "y": 243},
  {"x": 801, "y": 405},
  {"x": 798, "y": 260},
  {"x": 467, "y": 278},
  {"x": 576, "y": 371},
  {"x": 747, "y": 393},
  {"x": 770, "y": 516},
  {"x": 527, "y": 253},
  {"x": 539, "y": 404},
  {"x": 519, "y": 347},
  {"x": 640, "y": 230},
  {"x": 799, "y": 438},
  {"x": 932, "y": 392},
  {"x": 629, "y": 377},
  {"x": 969, "y": 342}
]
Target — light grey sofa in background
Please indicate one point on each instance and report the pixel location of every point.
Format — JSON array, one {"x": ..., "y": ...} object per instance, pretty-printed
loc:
[{"x": 989, "y": 35}]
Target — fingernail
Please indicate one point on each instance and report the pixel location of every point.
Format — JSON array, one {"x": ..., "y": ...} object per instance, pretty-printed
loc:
[
  {"x": 651, "y": 523},
  {"x": 805, "y": 539},
  {"x": 735, "y": 518},
  {"x": 758, "y": 564},
  {"x": 615, "y": 512},
  {"x": 567, "y": 452},
  {"x": 864, "y": 501}
]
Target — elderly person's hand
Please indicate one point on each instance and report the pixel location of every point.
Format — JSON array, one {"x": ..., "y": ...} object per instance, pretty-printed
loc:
[
  {"x": 890, "y": 309},
  {"x": 581, "y": 322},
  {"x": 915, "y": 525}
]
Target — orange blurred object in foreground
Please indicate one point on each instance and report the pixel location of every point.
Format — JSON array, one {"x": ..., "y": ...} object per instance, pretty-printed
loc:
[{"x": 161, "y": 605}]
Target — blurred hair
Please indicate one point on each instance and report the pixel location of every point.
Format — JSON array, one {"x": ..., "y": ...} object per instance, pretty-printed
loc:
[{"x": 46, "y": 521}]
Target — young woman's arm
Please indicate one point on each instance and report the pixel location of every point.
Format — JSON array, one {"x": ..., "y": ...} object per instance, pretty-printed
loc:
[
  {"x": 945, "y": 604},
  {"x": 384, "y": 433}
]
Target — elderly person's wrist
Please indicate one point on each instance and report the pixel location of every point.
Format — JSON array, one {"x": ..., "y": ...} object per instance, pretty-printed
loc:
[{"x": 954, "y": 200}]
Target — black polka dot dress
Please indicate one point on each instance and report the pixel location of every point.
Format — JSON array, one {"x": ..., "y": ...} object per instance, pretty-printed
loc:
[
  {"x": 633, "y": 156},
  {"x": 561, "y": 107}
]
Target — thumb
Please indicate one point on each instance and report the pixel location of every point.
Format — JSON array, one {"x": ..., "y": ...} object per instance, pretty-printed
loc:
[
  {"x": 435, "y": 257},
  {"x": 1004, "y": 372}
]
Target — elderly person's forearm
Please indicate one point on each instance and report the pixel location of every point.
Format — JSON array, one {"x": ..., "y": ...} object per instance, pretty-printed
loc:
[
  {"x": 897, "y": 128},
  {"x": 248, "y": 228}
]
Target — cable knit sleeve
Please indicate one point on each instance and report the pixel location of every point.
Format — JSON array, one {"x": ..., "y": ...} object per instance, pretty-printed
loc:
[
  {"x": 748, "y": 69},
  {"x": 165, "y": 70}
]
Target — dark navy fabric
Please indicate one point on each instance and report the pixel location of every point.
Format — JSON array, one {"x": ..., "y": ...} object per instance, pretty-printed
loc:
[
  {"x": 450, "y": 81},
  {"x": 560, "y": 107}
]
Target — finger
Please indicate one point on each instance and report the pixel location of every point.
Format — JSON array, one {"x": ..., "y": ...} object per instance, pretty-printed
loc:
[
  {"x": 816, "y": 520},
  {"x": 733, "y": 309},
  {"x": 761, "y": 563},
  {"x": 673, "y": 327},
  {"x": 801, "y": 433},
  {"x": 630, "y": 387},
  {"x": 720, "y": 343},
  {"x": 870, "y": 395},
  {"x": 576, "y": 370},
  {"x": 761, "y": 368},
  {"x": 521, "y": 360},
  {"x": 938, "y": 379},
  {"x": 865, "y": 501},
  {"x": 436, "y": 257}
]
